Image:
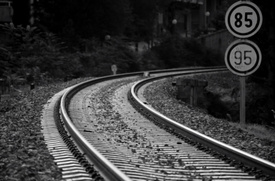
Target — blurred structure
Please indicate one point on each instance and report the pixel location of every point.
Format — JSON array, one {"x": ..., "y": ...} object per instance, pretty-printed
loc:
[
  {"x": 192, "y": 17},
  {"x": 6, "y": 15},
  {"x": 6, "y": 11}
]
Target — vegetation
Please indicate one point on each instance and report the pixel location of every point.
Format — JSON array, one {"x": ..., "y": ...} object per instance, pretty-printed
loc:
[
  {"x": 161, "y": 96},
  {"x": 42, "y": 54},
  {"x": 176, "y": 51},
  {"x": 218, "y": 21},
  {"x": 69, "y": 39},
  {"x": 31, "y": 51},
  {"x": 98, "y": 62},
  {"x": 222, "y": 99},
  {"x": 84, "y": 38}
]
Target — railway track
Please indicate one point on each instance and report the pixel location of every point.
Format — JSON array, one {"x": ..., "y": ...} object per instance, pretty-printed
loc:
[{"x": 113, "y": 141}]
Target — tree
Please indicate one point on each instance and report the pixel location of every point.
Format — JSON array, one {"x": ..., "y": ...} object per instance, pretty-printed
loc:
[
  {"x": 84, "y": 18},
  {"x": 265, "y": 39},
  {"x": 218, "y": 20},
  {"x": 21, "y": 12},
  {"x": 144, "y": 16}
]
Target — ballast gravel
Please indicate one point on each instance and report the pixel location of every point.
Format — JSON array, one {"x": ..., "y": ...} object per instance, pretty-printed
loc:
[
  {"x": 161, "y": 96},
  {"x": 23, "y": 152},
  {"x": 130, "y": 140}
]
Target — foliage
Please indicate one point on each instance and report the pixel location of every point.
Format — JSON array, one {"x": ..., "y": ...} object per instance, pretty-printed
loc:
[
  {"x": 21, "y": 15},
  {"x": 218, "y": 20},
  {"x": 84, "y": 18},
  {"x": 144, "y": 15},
  {"x": 32, "y": 51},
  {"x": 43, "y": 54},
  {"x": 257, "y": 109},
  {"x": 213, "y": 104},
  {"x": 74, "y": 20},
  {"x": 265, "y": 76},
  {"x": 158, "y": 95},
  {"x": 176, "y": 51},
  {"x": 150, "y": 61},
  {"x": 223, "y": 97},
  {"x": 5, "y": 57},
  {"x": 113, "y": 51}
]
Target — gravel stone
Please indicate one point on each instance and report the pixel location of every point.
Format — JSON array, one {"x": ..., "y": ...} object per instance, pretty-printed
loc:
[{"x": 161, "y": 96}]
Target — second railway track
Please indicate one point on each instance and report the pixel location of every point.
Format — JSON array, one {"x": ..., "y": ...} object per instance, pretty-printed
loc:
[{"x": 125, "y": 145}]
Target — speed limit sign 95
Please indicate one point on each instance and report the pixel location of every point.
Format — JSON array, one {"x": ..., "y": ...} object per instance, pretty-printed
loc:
[
  {"x": 243, "y": 19},
  {"x": 243, "y": 57}
]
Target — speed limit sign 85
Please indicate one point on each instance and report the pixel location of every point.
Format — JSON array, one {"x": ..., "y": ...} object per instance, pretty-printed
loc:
[
  {"x": 243, "y": 57},
  {"x": 243, "y": 19}
]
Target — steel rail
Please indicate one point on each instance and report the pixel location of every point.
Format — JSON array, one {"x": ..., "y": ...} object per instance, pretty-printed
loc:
[
  {"x": 232, "y": 152},
  {"x": 105, "y": 167}
]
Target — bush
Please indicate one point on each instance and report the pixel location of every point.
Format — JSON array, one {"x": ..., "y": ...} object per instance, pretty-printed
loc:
[
  {"x": 30, "y": 48},
  {"x": 176, "y": 51},
  {"x": 214, "y": 105},
  {"x": 114, "y": 51},
  {"x": 150, "y": 61}
]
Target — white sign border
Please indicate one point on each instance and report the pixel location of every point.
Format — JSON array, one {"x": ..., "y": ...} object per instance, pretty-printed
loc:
[
  {"x": 227, "y": 57},
  {"x": 231, "y": 9}
]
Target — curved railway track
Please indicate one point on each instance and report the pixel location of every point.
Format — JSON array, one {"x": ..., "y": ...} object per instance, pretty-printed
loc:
[{"x": 124, "y": 145}]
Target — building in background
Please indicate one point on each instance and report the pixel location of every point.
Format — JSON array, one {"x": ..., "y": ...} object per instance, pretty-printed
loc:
[
  {"x": 193, "y": 18},
  {"x": 19, "y": 12},
  {"x": 6, "y": 16},
  {"x": 6, "y": 11},
  {"x": 188, "y": 17}
]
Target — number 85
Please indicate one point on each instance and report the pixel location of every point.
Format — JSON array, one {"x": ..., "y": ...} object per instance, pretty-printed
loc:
[{"x": 243, "y": 57}]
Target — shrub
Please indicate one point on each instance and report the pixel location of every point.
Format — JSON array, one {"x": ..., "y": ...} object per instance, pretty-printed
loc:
[
  {"x": 32, "y": 49},
  {"x": 176, "y": 51},
  {"x": 114, "y": 51},
  {"x": 5, "y": 57},
  {"x": 150, "y": 61},
  {"x": 214, "y": 105}
]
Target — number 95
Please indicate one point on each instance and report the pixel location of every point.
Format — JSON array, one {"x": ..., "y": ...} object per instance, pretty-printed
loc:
[{"x": 243, "y": 57}]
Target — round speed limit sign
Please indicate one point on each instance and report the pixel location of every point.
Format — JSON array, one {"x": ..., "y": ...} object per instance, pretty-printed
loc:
[
  {"x": 243, "y": 19},
  {"x": 243, "y": 57}
]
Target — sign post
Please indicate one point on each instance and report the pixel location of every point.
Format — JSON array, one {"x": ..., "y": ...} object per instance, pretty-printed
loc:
[
  {"x": 242, "y": 100},
  {"x": 243, "y": 19},
  {"x": 243, "y": 57},
  {"x": 114, "y": 69}
]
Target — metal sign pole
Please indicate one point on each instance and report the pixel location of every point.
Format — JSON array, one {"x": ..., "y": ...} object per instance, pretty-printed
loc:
[
  {"x": 242, "y": 100},
  {"x": 243, "y": 19}
]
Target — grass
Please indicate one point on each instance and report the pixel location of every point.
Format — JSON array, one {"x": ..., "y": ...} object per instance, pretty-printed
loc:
[
  {"x": 257, "y": 130},
  {"x": 228, "y": 80}
]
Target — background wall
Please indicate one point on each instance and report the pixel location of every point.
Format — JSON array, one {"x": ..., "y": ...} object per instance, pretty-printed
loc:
[{"x": 218, "y": 41}]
